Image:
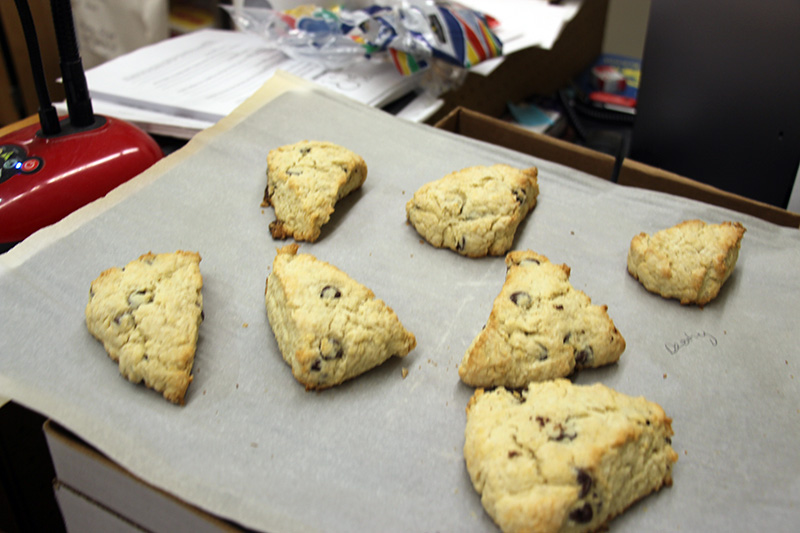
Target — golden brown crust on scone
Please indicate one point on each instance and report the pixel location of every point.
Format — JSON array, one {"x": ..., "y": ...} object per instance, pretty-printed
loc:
[
  {"x": 304, "y": 182},
  {"x": 563, "y": 457},
  {"x": 329, "y": 328},
  {"x": 689, "y": 262},
  {"x": 147, "y": 315},
  {"x": 475, "y": 211},
  {"x": 540, "y": 328}
]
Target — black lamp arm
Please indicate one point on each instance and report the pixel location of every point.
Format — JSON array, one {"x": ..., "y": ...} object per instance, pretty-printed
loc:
[
  {"x": 48, "y": 117},
  {"x": 79, "y": 102}
]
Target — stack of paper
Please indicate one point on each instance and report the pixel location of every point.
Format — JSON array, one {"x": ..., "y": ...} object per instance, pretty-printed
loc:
[
  {"x": 185, "y": 84},
  {"x": 182, "y": 85}
]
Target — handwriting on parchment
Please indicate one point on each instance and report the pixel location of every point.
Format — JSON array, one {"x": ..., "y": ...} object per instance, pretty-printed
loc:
[{"x": 689, "y": 338}]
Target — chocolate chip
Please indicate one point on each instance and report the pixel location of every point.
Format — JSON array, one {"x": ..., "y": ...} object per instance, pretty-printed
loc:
[
  {"x": 583, "y": 514},
  {"x": 330, "y": 349},
  {"x": 543, "y": 352},
  {"x": 330, "y": 292},
  {"x": 585, "y": 481},
  {"x": 562, "y": 434},
  {"x": 521, "y": 299},
  {"x": 542, "y": 421},
  {"x": 584, "y": 356},
  {"x": 567, "y": 337},
  {"x": 519, "y": 194},
  {"x": 512, "y": 453},
  {"x": 559, "y": 307},
  {"x": 305, "y": 150},
  {"x": 316, "y": 366},
  {"x": 461, "y": 244},
  {"x": 137, "y": 298}
]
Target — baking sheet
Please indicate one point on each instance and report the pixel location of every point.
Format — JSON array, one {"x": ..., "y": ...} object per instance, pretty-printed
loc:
[{"x": 383, "y": 452}]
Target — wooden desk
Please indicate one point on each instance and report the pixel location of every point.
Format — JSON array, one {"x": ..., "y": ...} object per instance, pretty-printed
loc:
[{"x": 18, "y": 125}]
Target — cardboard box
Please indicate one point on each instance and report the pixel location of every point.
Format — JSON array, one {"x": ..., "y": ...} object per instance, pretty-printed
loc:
[
  {"x": 631, "y": 173},
  {"x": 88, "y": 482},
  {"x": 533, "y": 70},
  {"x": 83, "y": 514}
]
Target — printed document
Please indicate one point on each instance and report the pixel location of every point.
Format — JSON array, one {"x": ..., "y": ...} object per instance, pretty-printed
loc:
[{"x": 206, "y": 74}]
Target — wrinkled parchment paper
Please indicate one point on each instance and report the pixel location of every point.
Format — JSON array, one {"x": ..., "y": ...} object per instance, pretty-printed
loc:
[{"x": 383, "y": 452}]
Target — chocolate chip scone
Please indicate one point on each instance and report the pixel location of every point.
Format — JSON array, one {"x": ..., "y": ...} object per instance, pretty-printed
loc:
[
  {"x": 475, "y": 211},
  {"x": 304, "y": 182},
  {"x": 689, "y": 262},
  {"x": 147, "y": 315},
  {"x": 564, "y": 457},
  {"x": 329, "y": 327},
  {"x": 540, "y": 328}
]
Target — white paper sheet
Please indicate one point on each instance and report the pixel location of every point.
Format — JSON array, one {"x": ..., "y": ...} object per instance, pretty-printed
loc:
[
  {"x": 202, "y": 75},
  {"x": 153, "y": 122},
  {"x": 527, "y": 23},
  {"x": 205, "y": 74},
  {"x": 524, "y": 24},
  {"x": 384, "y": 453}
]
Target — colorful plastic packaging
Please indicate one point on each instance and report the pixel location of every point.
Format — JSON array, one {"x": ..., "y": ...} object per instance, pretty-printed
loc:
[{"x": 413, "y": 33}]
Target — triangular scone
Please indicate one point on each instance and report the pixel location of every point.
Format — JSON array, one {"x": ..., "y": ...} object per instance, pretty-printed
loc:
[
  {"x": 147, "y": 315},
  {"x": 689, "y": 262},
  {"x": 564, "y": 457},
  {"x": 329, "y": 327},
  {"x": 304, "y": 182},
  {"x": 540, "y": 328},
  {"x": 475, "y": 211}
]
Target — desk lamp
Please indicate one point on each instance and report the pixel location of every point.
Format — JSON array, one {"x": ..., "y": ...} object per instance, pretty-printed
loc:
[{"x": 52, "y": 168}]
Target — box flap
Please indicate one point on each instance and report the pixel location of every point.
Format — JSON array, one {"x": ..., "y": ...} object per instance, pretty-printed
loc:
[
  {"x": 483, "y": 128},
  {"x": 92, "y": 474},
  {"x": 643, "y": 176}
]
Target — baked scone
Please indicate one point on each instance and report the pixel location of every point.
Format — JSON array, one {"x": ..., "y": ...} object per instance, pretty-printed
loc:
[
  {"x": 304, "y": 182},
  {"x": 474, "y": 211},
  {"x": 329, "y": 327},
  {"x": 540, "y": 328},
  {"x": 147, "y": 315},
  {"x": 689, "y": 262},
  {"x": 564, "y": 457}
]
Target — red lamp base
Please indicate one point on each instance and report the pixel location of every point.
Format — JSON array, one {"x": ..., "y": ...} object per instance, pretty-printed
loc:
[{"x": 43, "y": 179}]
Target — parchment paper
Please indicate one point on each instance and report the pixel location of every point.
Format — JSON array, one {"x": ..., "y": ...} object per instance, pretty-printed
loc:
[{"x": 383, "y": 453}]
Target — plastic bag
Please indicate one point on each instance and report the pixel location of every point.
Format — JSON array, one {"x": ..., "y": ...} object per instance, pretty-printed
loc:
[{"x": 414, "y": 34}]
